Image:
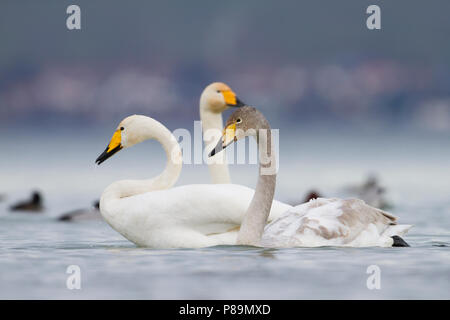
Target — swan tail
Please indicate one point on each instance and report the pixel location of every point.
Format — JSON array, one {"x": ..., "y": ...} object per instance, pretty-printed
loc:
[
  {"x": 399, "y": 242},
  {"x": 396, "y": 232}
]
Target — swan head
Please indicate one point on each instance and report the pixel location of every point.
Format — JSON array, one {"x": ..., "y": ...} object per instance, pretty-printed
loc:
[
  {"x": 217, "y": 97},
  {"x": 129, "y": 132},
  {"x": 244, "y": 122}
]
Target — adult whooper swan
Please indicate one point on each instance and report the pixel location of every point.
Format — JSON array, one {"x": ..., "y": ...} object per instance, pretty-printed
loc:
[
  {"x": 150, "y": 214},
  {"x": 320, "y": 222},
  {"x": 216, "y": 98}
]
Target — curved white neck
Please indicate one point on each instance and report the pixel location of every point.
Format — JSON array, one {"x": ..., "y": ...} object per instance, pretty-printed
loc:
[
  {"x": 255, "y": 219},
  {"x": 151, "y": 129},
  {"x": 212, "y": 129}
]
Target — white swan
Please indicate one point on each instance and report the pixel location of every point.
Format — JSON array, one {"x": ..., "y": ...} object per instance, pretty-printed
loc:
[
  {"x": 188, "y": 216},
  {"x": 320, "y": 222},
  {"x": 216, "y": 98}
]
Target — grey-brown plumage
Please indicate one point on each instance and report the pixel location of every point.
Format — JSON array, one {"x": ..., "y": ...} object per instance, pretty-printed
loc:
[
  {"x": 320, "y": 222},
  {"x": 250, "y": 122}
]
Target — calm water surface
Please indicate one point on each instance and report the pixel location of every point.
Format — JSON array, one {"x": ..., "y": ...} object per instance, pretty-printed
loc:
[{"x": 36, "y": 252}]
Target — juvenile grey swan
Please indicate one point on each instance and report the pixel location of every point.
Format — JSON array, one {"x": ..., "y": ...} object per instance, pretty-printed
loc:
[{"x": 319, "y": 222}]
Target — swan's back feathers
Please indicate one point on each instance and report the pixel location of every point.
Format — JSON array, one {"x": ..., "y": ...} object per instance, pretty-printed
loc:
[{"x": 336, "y": 222}]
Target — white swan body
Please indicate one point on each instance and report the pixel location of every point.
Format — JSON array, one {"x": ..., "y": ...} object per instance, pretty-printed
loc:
[
  {"x": 152, "y": 214},
  {"x": 319, "y": 222},
  {"x": 189, "y": 216},
  {"x": 333, "y": 222}
]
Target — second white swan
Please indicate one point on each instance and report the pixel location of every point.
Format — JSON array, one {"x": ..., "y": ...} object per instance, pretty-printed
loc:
[{"x": 215, "y": 99}]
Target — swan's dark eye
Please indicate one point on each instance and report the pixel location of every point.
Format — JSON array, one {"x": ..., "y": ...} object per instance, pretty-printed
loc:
[
  {"x": 122, "y": 128},
  {"x": 218, "y": 91},
  {"x": 239, "y": 120}
]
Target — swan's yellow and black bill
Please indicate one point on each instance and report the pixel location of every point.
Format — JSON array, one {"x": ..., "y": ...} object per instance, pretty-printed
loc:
[
  {"x": 231, "y": 100},
  {"x": 114, "y": 146},
  {"x": 228, "y": 137}
]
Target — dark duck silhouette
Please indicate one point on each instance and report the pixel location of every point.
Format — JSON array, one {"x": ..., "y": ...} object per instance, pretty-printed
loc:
[
  {"x": 313, "y": 194},
  {"x": 32, "y": 205},
  {"x": 92, "y": 213}
]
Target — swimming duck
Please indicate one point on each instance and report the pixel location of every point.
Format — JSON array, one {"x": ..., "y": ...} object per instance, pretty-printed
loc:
[
  {"x": 33, "y": 205},
  {"x": 92, "y": 213}
]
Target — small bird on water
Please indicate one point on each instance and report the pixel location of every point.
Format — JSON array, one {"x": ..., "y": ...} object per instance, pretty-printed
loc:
[
  {"x": 32, "y": 205},
  {"x": 92, "y": 213}
]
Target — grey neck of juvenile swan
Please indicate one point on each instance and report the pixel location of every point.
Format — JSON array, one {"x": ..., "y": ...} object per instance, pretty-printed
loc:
[
  {"x": 256, "y": 216},
  {"x": 212, "y": 126}
]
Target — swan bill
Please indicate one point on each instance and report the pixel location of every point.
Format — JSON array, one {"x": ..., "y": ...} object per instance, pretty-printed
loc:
[
  {"x": 114, "y": 146},
  {"x": 238, "y": 104},
  {"x": 107, "y": 154},
  {"x": 219, "y": 147},
  {"x": 228, "y": 137},
  {"x": 231, "y": 100}
]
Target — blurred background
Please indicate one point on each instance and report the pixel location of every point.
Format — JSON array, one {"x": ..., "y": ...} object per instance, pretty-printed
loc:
[{"x": 349, "y": 102}]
